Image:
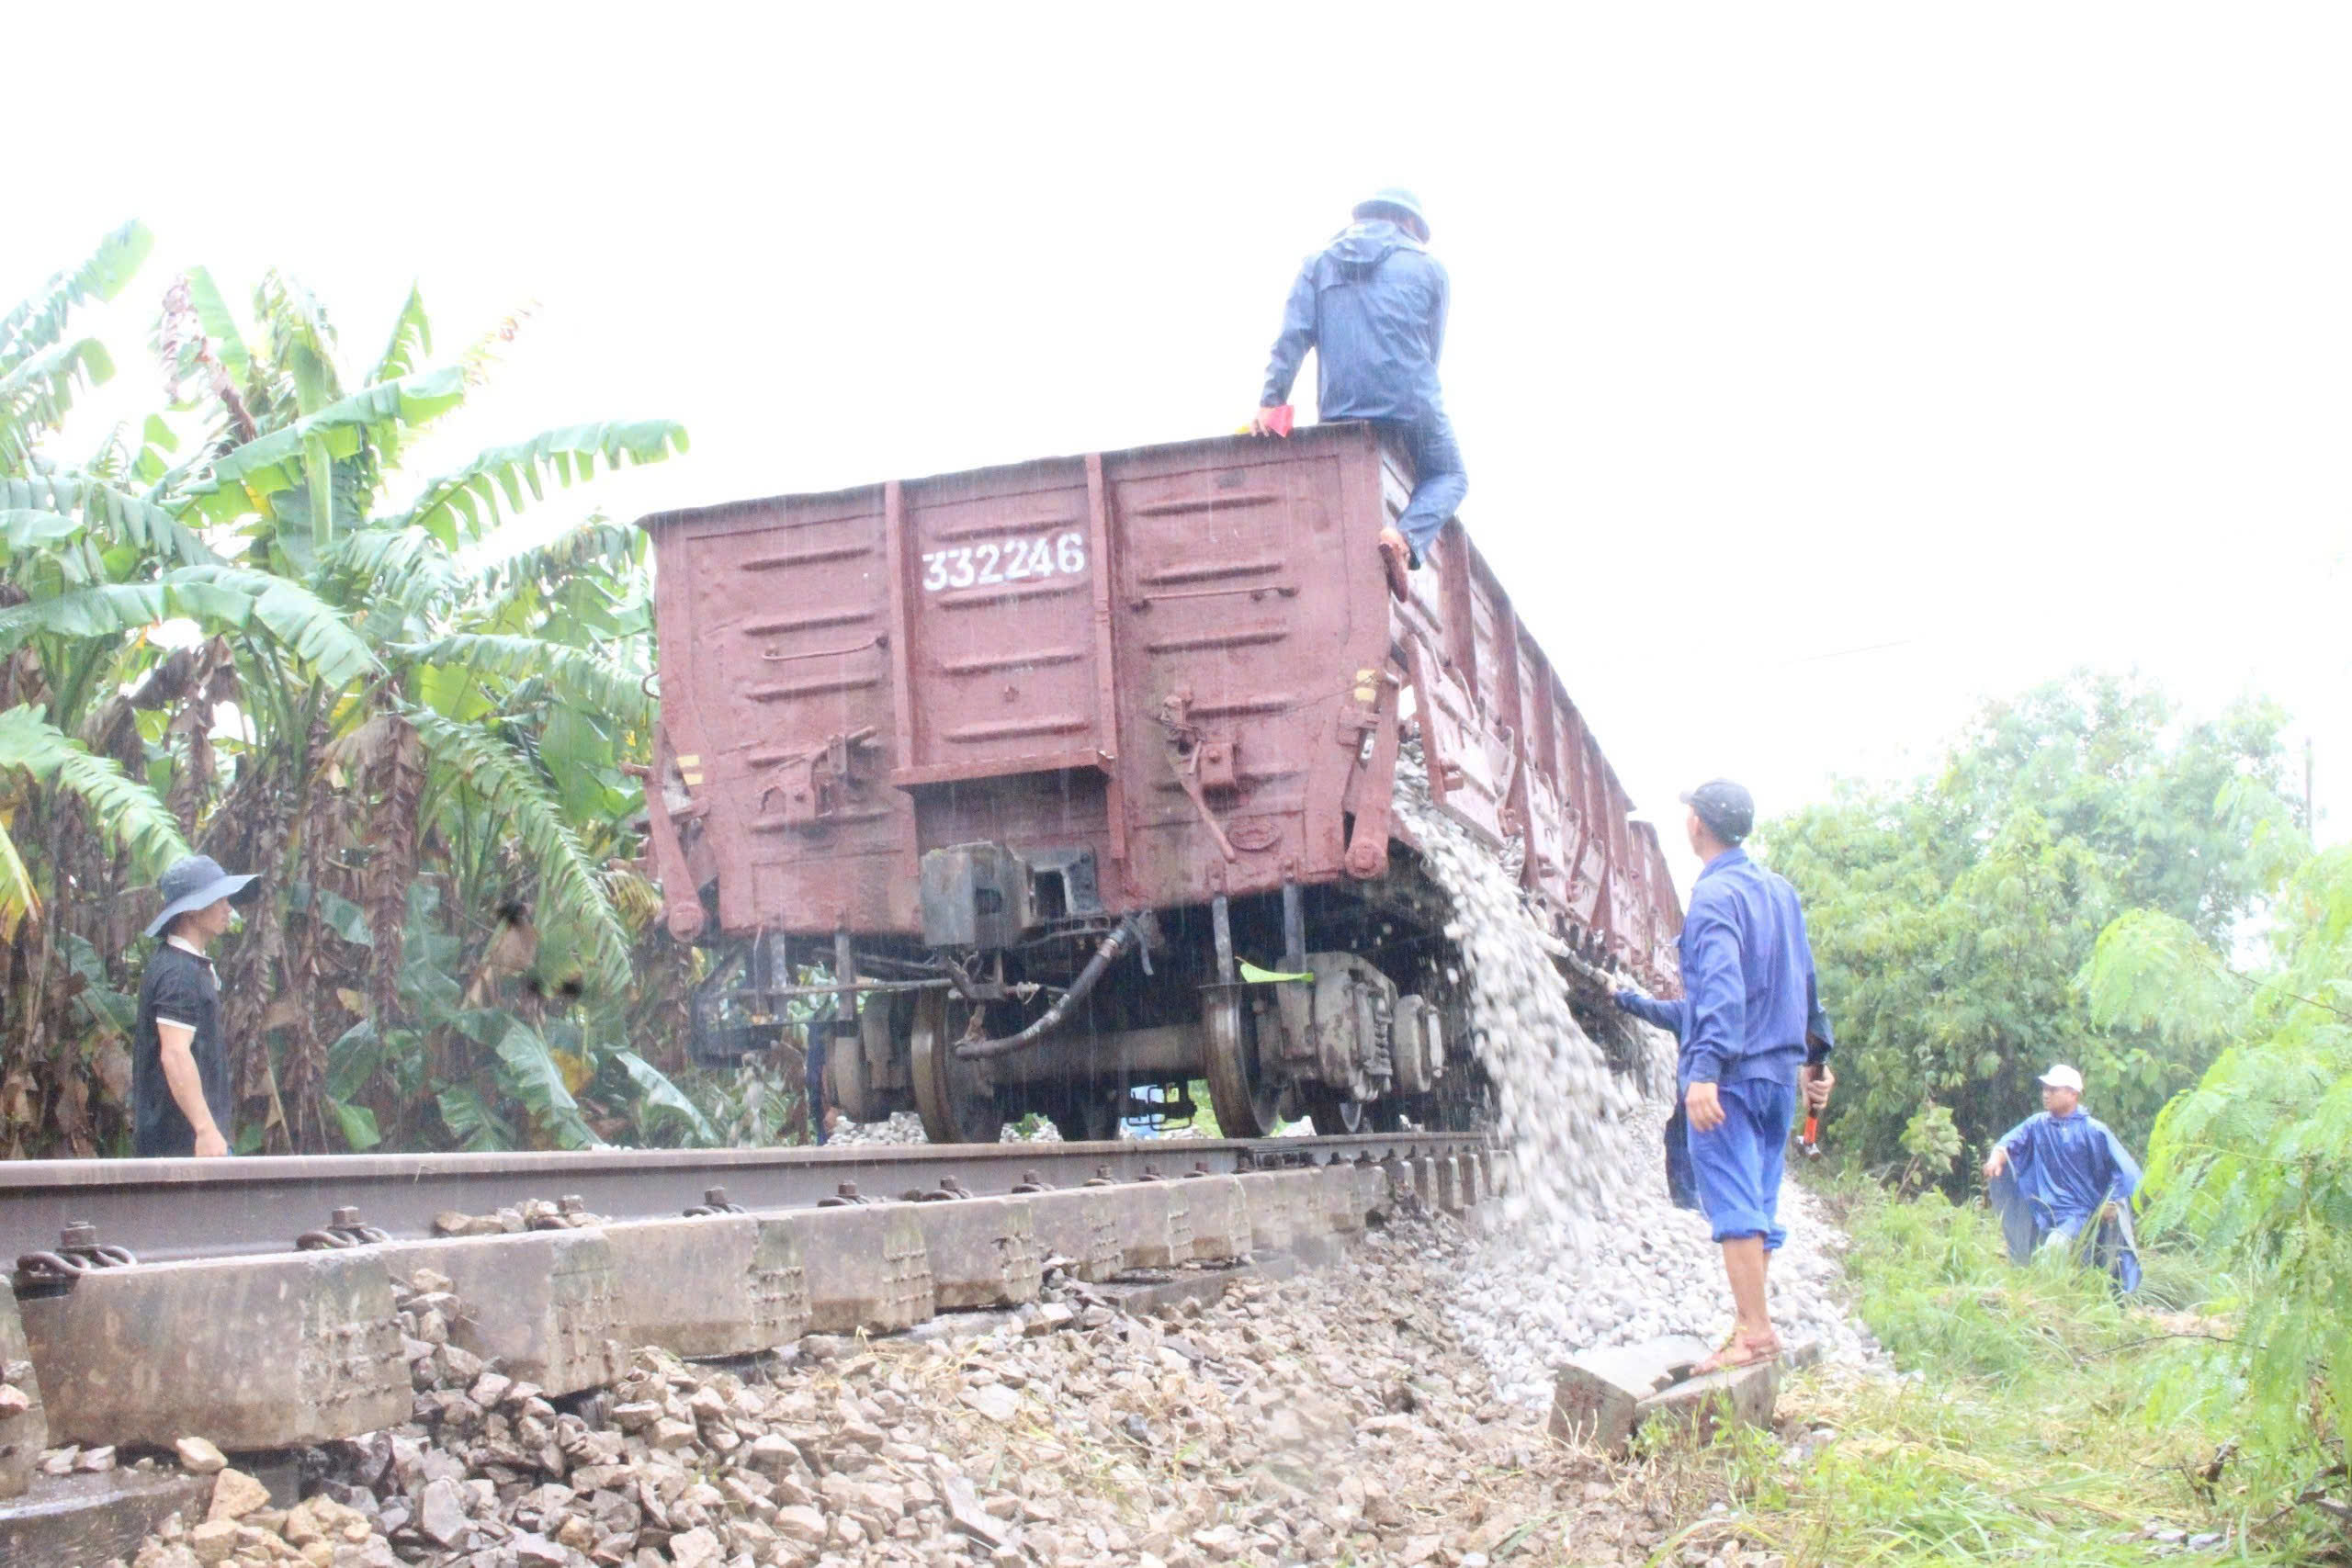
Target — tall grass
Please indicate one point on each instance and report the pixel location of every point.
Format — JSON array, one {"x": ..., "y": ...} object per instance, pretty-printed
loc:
[{"x": 2021, "y": 1427}]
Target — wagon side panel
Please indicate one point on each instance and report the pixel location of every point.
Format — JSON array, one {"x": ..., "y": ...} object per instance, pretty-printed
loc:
[{"x": 1246, "y": 600}]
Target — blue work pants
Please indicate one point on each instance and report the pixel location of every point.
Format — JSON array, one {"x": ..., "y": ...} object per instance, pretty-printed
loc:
[
  {"x": 1439, "y": 481},
  {"x": 2028, "y": 1227},
  {"x": 1738, "y": 1165}
]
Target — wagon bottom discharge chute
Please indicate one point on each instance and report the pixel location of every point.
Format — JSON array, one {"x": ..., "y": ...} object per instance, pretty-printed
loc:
[{"x": 1055, "y": 787}]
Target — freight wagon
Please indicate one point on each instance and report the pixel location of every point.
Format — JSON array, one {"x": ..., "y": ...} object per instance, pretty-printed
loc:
[{"x": 1045, "y": 767}]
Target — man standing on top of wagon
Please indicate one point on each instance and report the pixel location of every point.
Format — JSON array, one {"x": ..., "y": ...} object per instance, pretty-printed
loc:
[
  {"x": 180, "y": 1093},
  {"x": 1372, "y": 305},
  {"x": 1750, "y": 1022}
]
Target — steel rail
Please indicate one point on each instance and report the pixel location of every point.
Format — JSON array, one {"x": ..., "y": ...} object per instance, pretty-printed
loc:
[{"x": 167, "y": 1209}]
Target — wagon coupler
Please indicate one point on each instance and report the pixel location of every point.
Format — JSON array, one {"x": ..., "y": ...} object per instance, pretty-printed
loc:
[{"x": 1128, "y": 933}]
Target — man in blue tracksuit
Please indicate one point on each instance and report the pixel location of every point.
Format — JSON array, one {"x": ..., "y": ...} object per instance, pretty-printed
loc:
[
  {"x": 2052, "y": 1174},
  {"x": 1751, "y": 1025},
  {"x": 1372, "y": 305}
]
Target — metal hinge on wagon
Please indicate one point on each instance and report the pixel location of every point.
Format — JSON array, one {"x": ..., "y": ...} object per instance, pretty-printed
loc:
[
  {"x": 818, "y": 785},
  {"x": 989, "y": 896}
]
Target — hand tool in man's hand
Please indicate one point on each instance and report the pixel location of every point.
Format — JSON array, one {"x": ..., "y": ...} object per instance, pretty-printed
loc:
[{"x": 1810, "y": 1145}]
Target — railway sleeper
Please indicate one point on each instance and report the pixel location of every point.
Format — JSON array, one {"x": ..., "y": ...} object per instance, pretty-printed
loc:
[
  {"x": 274, "y": 1351},
  {"x": 24, "y": 1420}
]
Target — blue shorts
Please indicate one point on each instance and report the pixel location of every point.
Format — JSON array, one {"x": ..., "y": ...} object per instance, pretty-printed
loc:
[{"x": 1738, "y": 1164}]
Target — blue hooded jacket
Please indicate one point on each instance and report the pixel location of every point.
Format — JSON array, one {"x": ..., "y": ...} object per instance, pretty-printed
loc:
[
  {"x": 1372, "y": 305},
  {"x": 2068, "y": 1166}
]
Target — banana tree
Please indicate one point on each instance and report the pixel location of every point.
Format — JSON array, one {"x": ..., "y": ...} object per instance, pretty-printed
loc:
[{"x": 364, "y": 698}]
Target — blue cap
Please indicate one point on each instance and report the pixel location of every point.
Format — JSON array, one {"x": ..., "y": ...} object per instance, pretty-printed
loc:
[
  {"x": 1727, "y": 809},
  {"x": 195, "y": 883}
]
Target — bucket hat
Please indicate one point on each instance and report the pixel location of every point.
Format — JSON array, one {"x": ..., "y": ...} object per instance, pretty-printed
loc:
[
  {"x": 194, "y": 882},
  {"x": 1395, "y": 196}
]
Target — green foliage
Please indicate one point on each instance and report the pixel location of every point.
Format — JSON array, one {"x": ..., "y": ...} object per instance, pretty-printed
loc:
[
  {"x": 665, "y": 1097},
  {"x": 2022, "y": 1430},
  {"x": 505, "y": 784},
  {"x": 1933, "y": 1143},
  {"x": 218, "y": 598},
  {"x": 40, "y": 391},
  {"x": 1952, "y": 918},
  {"x": 107, "y": 515},
  {"x": 2150, "y": 974},
  {"x": 573, "y": 674},
  {"x": 2256, "y": 1163},
  {"x": 123, "y": 812},
  {"x": 40, "y": 322},
  {"x": 40, "y": 369},
  {"x": 537, "y": 1079},
  {"x": 424, "y": 753},
  {"x": 412, "y": 339},
  {"x": 458, "y": 508},
  {"x": 250, "y": 478}
]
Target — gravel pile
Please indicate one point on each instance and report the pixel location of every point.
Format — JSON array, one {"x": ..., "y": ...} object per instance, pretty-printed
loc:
[
  {"x": 1591, "y": 1251},
  {"x": 1338, "y": 1416},
  {"x": 1656, "y": 1271},
  {"x": 1565, "y": 1116}
]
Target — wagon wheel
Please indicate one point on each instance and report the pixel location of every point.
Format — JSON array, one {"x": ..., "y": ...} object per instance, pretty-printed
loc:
[
  {"x": 956, "y": 1104},
  {"x": 1333, "y": 1114},
  {"x": 848, "y": 1083},
  {"x": 1245, "y": 1096},
  {"x": 849, "y": 1071}
]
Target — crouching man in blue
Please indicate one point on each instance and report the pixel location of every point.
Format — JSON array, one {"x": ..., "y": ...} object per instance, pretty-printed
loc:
[
  {"x": 1372, "y": 305},
  {"x": 1750, "y": 1025},
  {"x": 2063, "y": 1178}
]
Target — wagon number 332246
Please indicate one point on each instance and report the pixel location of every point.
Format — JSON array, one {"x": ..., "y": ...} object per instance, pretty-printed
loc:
[{"x": 1014, "y": 561}]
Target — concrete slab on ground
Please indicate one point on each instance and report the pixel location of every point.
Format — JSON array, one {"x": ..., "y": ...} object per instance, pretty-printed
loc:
[
  {"x": 1744, "y": 1396},
  {"x": 1602, "y": 1397},
  {"x": 1205, "y": 1286},
  {"x": 70, "y": 1521},
  {"x": 1597, "y": 1396}
]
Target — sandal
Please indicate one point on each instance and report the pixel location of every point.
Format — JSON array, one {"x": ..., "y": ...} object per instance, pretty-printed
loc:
[
  {"x": 1397, "y": 560},
  {"x": 1738, "y": 1350}
]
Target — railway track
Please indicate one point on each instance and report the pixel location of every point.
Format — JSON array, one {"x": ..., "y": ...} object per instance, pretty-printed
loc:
[
  {"x": 170, "y": 1210},
  {"x": 274, "y": 1303}
]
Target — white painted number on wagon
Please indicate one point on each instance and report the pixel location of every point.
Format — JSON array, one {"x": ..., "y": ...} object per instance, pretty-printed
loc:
[{"x": 1016, "y": 559}]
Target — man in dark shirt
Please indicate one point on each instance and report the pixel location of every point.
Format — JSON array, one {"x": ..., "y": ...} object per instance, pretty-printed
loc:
[
  {"x": 1750, "y": 1023},
  {"x": 1372, "y": 305},
  {"x": 180, "y": 1092}
]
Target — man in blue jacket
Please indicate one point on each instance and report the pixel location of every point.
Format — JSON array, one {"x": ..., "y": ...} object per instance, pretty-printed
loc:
[
  {"x": 1372, "y": 305},
  {"x": 1750, "y": 1023},
  {"x": 2054, "y": 1174}
]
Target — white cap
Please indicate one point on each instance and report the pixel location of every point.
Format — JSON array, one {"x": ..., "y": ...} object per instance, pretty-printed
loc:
[{"x": 2062, "y": 1076}]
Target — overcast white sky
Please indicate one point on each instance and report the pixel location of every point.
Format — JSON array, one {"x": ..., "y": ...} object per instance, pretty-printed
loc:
[{"x": 1821, "y": 370}]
